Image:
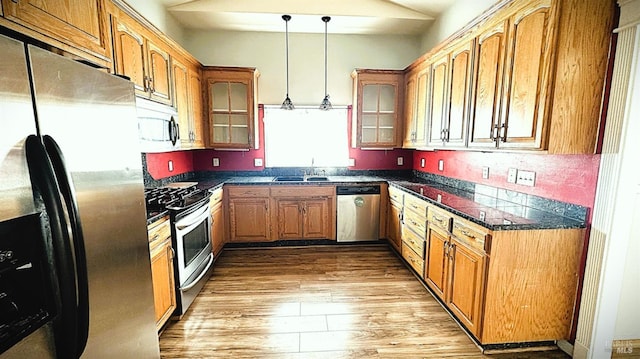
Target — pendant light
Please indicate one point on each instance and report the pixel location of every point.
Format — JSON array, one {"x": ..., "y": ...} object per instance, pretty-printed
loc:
[
  {"x": 287, "y": 104},
  {"x": 326, "y": 104}
]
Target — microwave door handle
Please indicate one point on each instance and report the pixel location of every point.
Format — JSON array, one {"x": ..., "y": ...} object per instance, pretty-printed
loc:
[
  {"x": 174, "y": 132},
  {"x": 44, "y": 181},
  {"x": 69, "y": 196}
]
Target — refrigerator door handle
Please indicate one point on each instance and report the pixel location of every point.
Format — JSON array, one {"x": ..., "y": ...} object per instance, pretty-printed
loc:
[
  {"x": 68, "y": 194},
  {"x": 43, "y": 180}
]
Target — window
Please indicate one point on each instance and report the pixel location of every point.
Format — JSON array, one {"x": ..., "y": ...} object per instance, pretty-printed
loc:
[{"x": 300, "y": 137}]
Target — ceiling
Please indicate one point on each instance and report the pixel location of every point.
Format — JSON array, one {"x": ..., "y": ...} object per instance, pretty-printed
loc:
[{"x": 390, "y": 17}]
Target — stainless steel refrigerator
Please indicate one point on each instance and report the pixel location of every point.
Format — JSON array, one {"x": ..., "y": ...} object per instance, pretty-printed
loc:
[{"x": 75, "y": 273}]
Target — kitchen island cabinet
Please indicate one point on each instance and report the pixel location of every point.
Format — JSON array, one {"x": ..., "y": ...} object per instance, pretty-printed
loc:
[{"x": 162, "y": 275}]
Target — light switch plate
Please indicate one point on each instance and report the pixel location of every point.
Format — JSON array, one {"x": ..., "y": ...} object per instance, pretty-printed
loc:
[
  {"x": 441, "y": 165},
  {"x": 216, "y": 162},
  {"x": 485, "y": 172},
  {"x": 512, "y": 175},
  {"x": 257, "y": 162},
  {"x": 400, "y": 161},
  {"x": 423, "y": 162},
  {"x": 170, "y": 166},
  {"x": 352, "y": 162}
]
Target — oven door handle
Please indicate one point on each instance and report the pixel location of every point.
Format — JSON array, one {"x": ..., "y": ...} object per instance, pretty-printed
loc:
[
  {"x": 202, "y": 274},
  {"x": 192, "y": 219}
]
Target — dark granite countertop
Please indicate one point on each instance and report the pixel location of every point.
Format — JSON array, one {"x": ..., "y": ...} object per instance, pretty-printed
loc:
[{"x": 486, "y": 209}]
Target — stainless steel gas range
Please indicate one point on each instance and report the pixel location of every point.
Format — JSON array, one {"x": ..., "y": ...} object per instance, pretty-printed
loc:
[{"x": 190, "y": 220}]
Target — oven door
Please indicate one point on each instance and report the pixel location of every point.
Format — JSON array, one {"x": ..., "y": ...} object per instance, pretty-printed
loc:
[{"x": 193, "y": 245}]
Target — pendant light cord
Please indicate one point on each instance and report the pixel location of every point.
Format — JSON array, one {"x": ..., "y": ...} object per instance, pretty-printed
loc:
[
  {"x": 286, "y": 25},
  {"x": 325, "y": 54}
]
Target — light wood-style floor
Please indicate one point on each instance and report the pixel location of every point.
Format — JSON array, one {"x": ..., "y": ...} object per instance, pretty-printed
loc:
[{"x": 318, "y": 302}]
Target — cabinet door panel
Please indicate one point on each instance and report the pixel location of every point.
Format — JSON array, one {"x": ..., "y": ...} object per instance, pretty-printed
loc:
[
  {"x": 486, "y": 105},
  {"x": 164, "y": 295},
  {"x": 78, "y": 23},
  {"x": 460, "y": 69},
  {"x": 195, "y": 108},
  {"x": 230, "y": 113},
  {"x": 394, "y": 228},
  {"x": 159, "y": 71},
  {"x": 410, "y": 111},
  {"x": 436, "y": 262},
  {"x": 289, "y": 220},
  {"x": 467, "y": 282},
  {"x": 180, "y": 83},
  {"x": 249, "y": 219},
  {"x": 422, "y": 107},
  {"x": 526, "y": 80},
  {"x": 217, "y": 228},
  {"x": 438, "y": 101},
  {"x": 316, "y": 219},
  {"x": 130, "y": 58}
]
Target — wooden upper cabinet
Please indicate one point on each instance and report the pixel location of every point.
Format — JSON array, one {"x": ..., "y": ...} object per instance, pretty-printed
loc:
[
  {"x": 78, "y": 24},
  {"x": 533, "y": 80},
  {"x": 484, "y": 123},
  {"x": 140, "y": 59},
  {"x": 231, "y": 107},
  {"x": 456, "y": 120},
  {"x": 417, "y": 86},
  {"x": 526, "y": 81},
  {"x": 378, "y": 114},
  {"x": 188, "y": 102},
  {"x": 439, "y": 95},
  {"x": 195, "y": 107}
]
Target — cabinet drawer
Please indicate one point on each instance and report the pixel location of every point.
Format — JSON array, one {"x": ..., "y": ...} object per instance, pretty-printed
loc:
[
  {"x": 216, "y": 196},
  {"x": 416, "y": 204},
  {"x": 303, "y": 191},
  {"x": 248, "y": 191},
  {"x": 413, "y": 259},
  {"x": 417, "y": 223},
  {"x": 470, "y": 234},
  {"x": 158, "y": 231},
  {"x": 412, "y": 240},
  {"x": 396, "y": 196},
  {"x": 439, "y": 218}
]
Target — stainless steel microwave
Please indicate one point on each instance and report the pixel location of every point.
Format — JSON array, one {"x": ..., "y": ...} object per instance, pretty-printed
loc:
[{"x": 158, "y": 128}]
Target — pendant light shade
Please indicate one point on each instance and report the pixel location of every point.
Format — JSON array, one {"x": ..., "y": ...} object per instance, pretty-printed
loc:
[
  {"x": 287, "y": 104},
  {"x": 326, "y": 104}
]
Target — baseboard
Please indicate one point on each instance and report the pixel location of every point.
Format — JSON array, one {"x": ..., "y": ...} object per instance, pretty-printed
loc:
[{"x": 565, "y": 346}]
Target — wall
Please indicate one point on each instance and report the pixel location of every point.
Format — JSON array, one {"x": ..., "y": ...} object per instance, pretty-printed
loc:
[
  {"x": 453, "y": 19},
  {"x": 154, "y": 12},
  {"x": 266, "y": 52},
  {"x": 566, "y": 178},
  {"x": 157, "y": 163}
]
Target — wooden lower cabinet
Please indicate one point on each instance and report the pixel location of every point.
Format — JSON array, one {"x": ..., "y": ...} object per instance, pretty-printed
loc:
[
  {"x": 394, "y": 226},
  {"x": 249, "y": 219},
  {"x": 304, "y": 212},
  {"x": 162, "y": 275},
  {"x": 436, "y": 261},
  {"x": 217, "y": 222},
  {"x": 465, "y": 274}
]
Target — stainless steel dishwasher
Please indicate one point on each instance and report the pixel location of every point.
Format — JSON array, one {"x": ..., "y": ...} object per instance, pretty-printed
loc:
[{"x": 358, "y": 213}]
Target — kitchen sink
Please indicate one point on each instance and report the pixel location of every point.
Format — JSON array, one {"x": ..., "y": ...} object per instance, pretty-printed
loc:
[
  {"x": 289, "y": 179},
  {"x": 300, "y": 178},
  {"x": 316, "y": 178}
]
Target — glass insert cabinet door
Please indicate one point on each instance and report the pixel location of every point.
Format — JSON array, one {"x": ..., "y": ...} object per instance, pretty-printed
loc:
[
  {"x": 378, "y": 114},
  {"x": 230, "y": 115}
]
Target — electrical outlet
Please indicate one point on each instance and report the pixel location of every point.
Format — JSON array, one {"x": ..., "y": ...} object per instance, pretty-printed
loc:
[
  {"x": 170, "y": 166},
  {"x": 352, "y": 162},
  {"x": 400, "y": 161},
  {"x": 441, "y": 165},
  {"x": 485, "y": 172},
  {"x": 512, "y": 175},
  {"x": 216, "y": 162},
  {"x": 257, "y": 162},
  {"x": 526, "y": 178}
]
